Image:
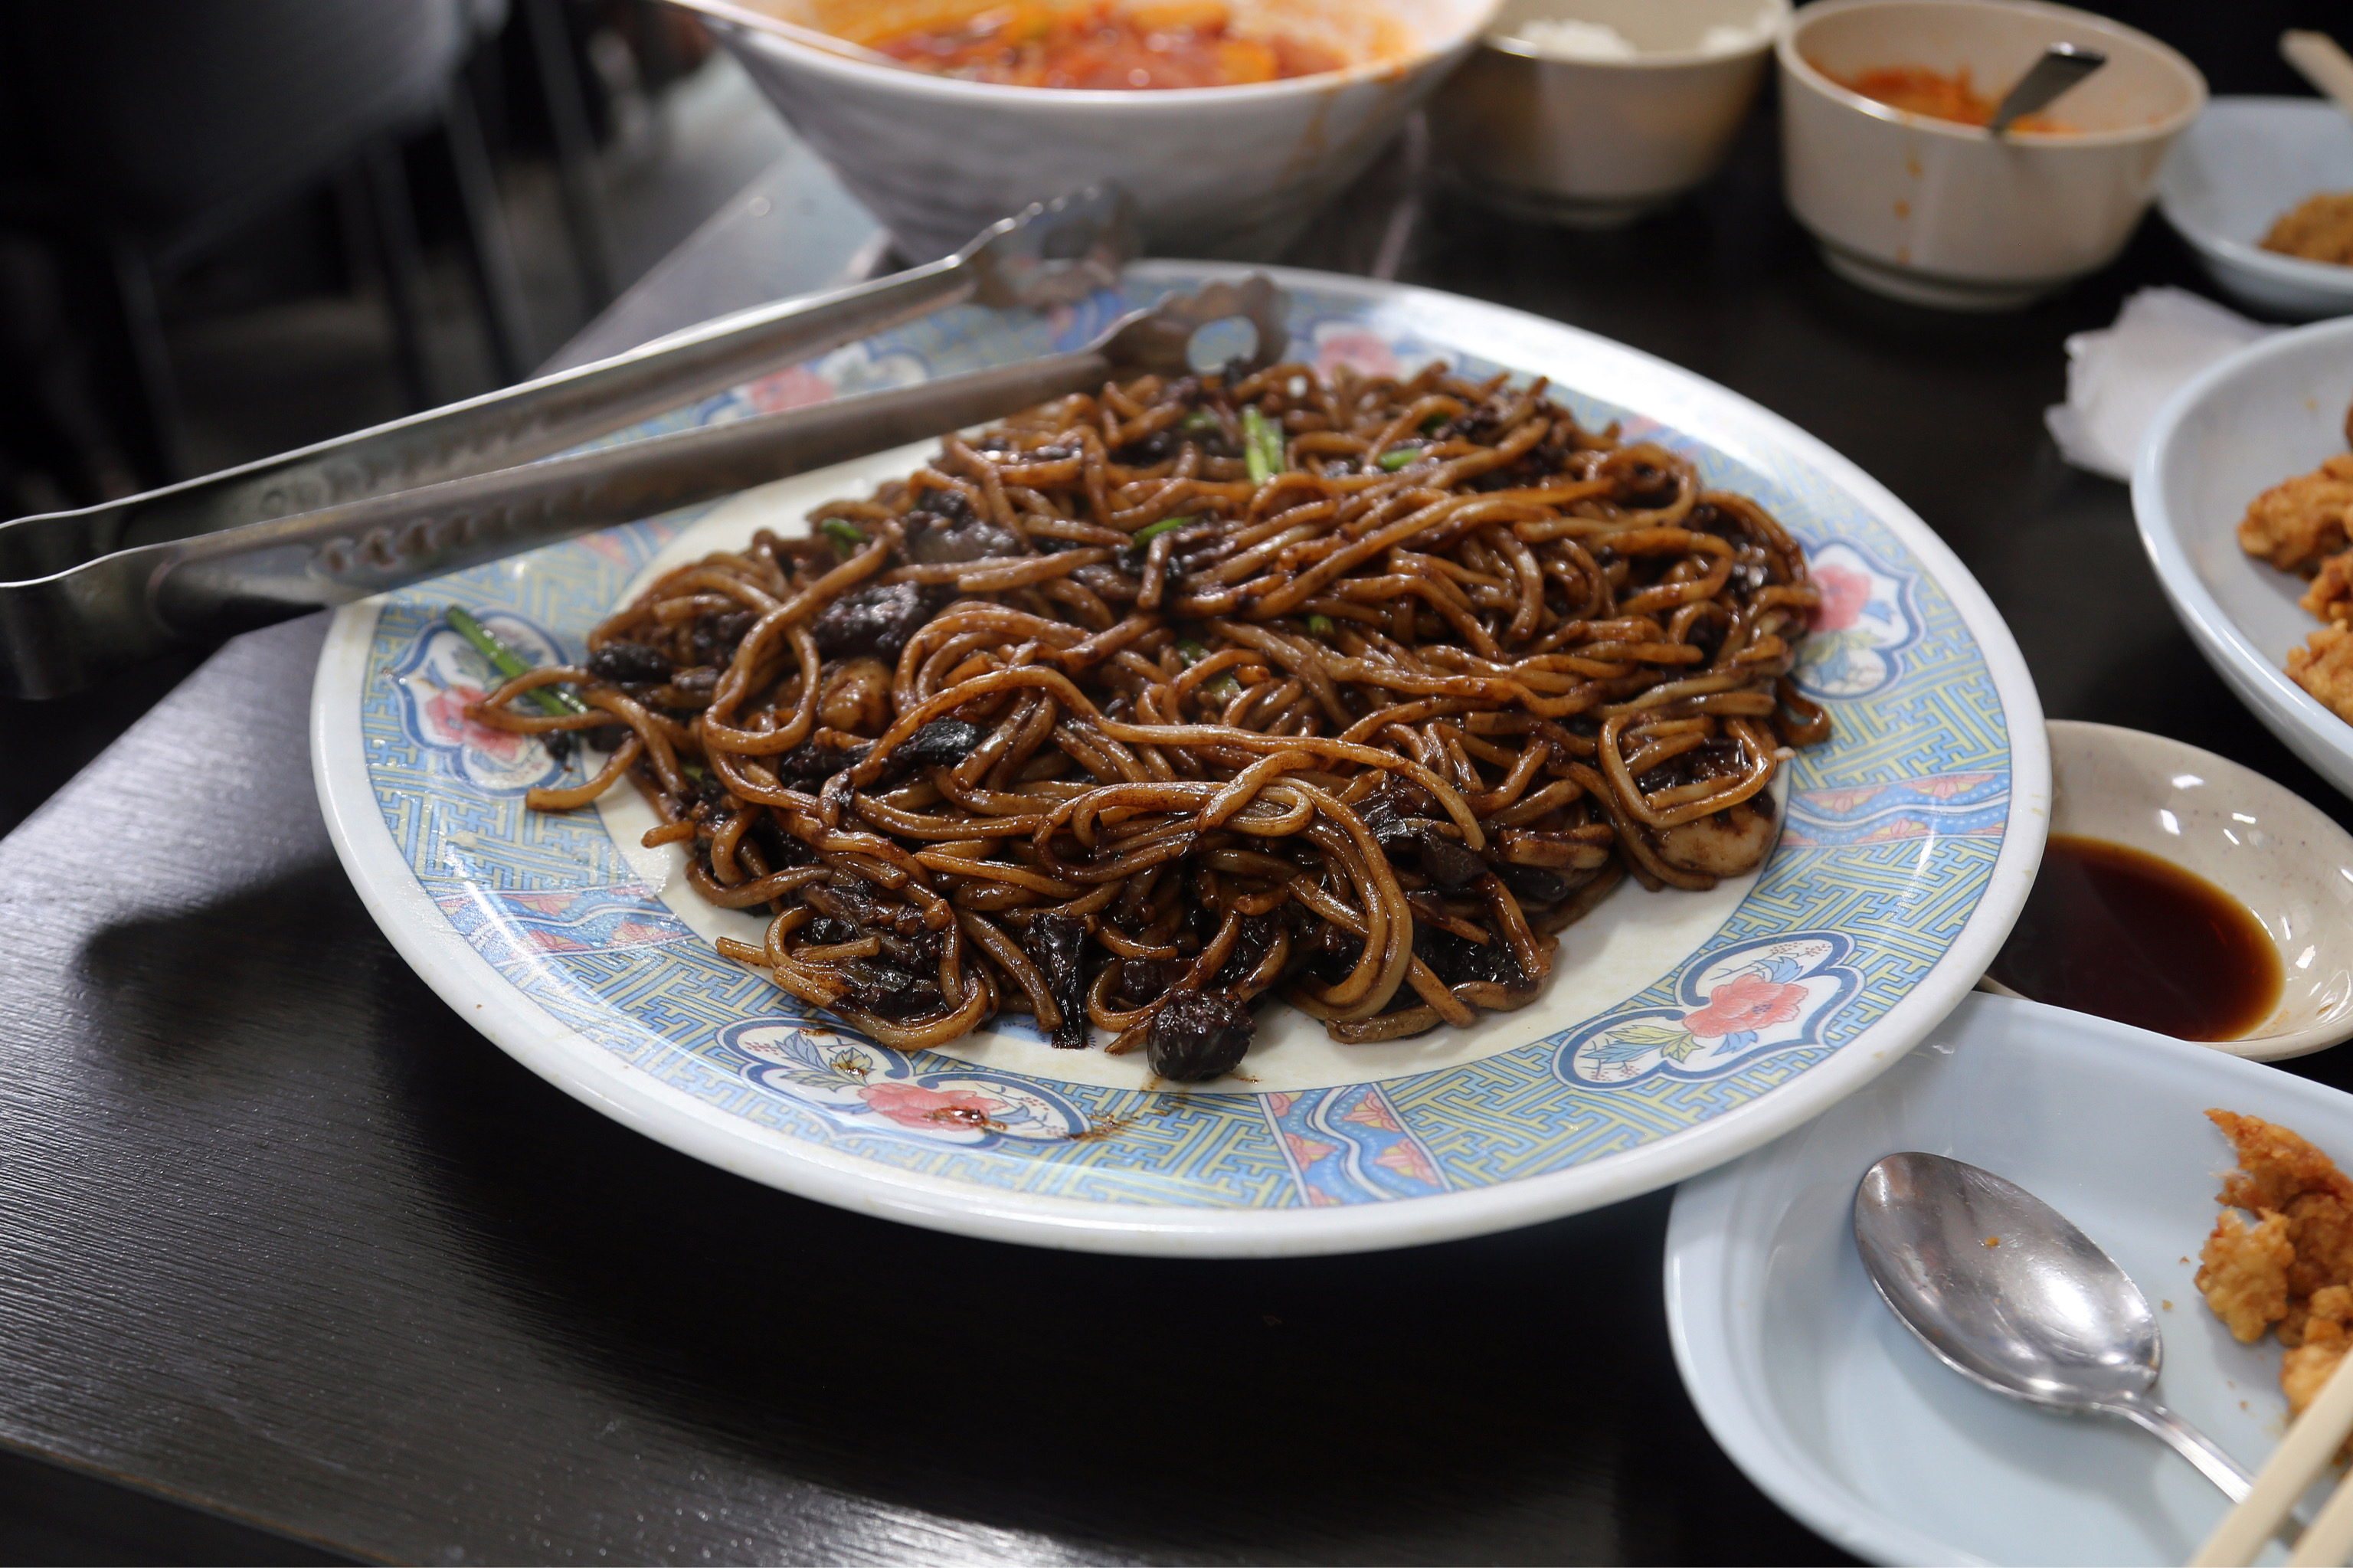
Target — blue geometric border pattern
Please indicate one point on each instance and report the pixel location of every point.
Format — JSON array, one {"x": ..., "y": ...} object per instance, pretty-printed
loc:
[{"x": 1890, "y": 840}]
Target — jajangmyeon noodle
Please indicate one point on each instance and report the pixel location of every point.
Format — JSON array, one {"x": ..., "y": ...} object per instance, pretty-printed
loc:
[{"x": 1139, "y": 707}]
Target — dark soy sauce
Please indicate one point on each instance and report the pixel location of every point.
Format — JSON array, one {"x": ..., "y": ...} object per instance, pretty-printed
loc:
[{"x": 2127, "y": 935}]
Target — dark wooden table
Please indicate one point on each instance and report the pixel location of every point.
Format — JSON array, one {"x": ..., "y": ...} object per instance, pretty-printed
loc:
[{"x": 281, "y": 1238}]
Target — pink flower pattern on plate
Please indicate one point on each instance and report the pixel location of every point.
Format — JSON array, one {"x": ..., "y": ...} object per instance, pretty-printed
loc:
[
  {"x": 446, "y": 711},
  {"x": 911, "y": 1105},
  {"x": 795, "y": 387},
  {"x": 1359, "y": 351},
  {"x": 1844, "y": 593},
  {"x": 1746, "y": 1003}
]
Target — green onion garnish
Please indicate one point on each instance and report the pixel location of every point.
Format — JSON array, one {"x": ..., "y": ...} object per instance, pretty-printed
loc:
[
  {"x": 1261, "y": 446},
  {"x": 1200, "y": 421},
  {"x": 1192, "y": 652},
  {"x": 843, "y": 532},
  {"x": 1224, "y": 689},
  {"x": 1152, "y": 531},
  {"x": 510, "y": 664},
  {"x": 1320, "y": 625},
  {"x": 1397, "y": 458},
  {"x": 1430, "y": 426}
]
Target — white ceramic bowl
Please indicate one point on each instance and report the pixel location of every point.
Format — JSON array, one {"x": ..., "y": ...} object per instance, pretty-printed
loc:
[
  {"x": 1598, "y": 143},
  {"x": 1840, "y": 1415},
  {"x": 1214, "y": 172},
  {"x": 2279, "y": 855},
  {"x": 2245, "y": 162},
  {"x": 1944, "y": 214},
  {"x": 2274, "y": 409}
]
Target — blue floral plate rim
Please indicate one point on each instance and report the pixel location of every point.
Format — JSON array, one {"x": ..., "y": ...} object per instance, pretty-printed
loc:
[{"x": 1636, "y": 1042}]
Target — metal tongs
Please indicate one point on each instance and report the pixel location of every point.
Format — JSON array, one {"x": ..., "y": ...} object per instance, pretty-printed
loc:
[{"x": 82, "y": 593}]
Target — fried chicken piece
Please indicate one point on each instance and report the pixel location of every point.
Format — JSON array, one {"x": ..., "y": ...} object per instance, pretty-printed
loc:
[
  {"x": 2330, "y": 597},
  {"x": 2275, "y": 1166},
  {"x": 2243, "y": 1273},
  {"x": 2305, "y": 1370},
  {"x": 2291, "y": 1269},
  {"x": 2323, "y": 666},
  {"x": 2317, "y": 228},
  {"x": 2299, "y": 522}
]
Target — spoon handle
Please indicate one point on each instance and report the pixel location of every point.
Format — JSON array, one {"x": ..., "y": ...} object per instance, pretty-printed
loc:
[{"x": 2187, "y": 1441}]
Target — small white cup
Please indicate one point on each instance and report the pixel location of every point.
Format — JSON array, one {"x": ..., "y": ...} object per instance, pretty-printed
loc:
[{"x": 1942, "y": 213}]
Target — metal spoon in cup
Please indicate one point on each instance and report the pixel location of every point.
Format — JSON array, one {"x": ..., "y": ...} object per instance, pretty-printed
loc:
[
  {"x": 2002, "y": 1289},
  {"x": 2061, "y": 67}
]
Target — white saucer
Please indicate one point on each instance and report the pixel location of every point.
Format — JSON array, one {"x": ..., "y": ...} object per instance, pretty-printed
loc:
[{"x": 1842, "y": 1417}]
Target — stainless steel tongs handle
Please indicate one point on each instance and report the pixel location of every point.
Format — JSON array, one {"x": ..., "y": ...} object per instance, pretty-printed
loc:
[
  {"x": 71, "y": 607},
  {"x": 246, "y": 577}
]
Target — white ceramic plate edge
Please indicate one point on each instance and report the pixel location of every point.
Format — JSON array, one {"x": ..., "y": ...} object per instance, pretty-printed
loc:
[
  {"x": 1707, "y": 1324},
  {"x": 424, "y": 937},
  {"x": 2294, "y": 715}
]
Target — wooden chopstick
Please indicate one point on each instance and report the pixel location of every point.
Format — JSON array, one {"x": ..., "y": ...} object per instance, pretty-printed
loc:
[
  {"x": 2302, "y": 1455},
  {"x": 2328, "y": 1538}
]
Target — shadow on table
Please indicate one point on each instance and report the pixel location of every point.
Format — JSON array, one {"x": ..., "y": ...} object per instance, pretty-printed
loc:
[{"x": 1506, "y": 1398}]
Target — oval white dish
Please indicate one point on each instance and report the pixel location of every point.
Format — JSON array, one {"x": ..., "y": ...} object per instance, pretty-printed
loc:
[
  {"x": 1909, "y": 843},
  {"x": 2273, "y": 409},
  {"x": 2243, "y": 163},
  {"x": 1841, "y": 1417}
]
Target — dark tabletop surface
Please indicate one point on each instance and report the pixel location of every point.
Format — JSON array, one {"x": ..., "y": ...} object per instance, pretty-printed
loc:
[{"x": 282, "y": 1239}]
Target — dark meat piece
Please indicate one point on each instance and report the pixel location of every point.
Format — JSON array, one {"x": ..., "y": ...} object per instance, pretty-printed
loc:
[
  {"x": 939, "y": 744},
  {"x": 1199, "y": 1035},
  {"x": 630, "y": 664},
  {"x": 1158, "y": 446},
  {"x": 714, "y": 636},
  {"x": 857, "y": 903},
  {"x": 1057, "y": 945},
  {"x": 962, "y": 542},
  {"x": 1252, "y": 945},
  {"x": 1448, "y": 864},
  {"x": 701, "y": 678},
  {"x": 1457, "y": 960},
  {"x": 1717, "y": 758},
  {"x": 809, "y": 765},
  {"x": 1535, "y": 884},
  {"x": 1396, "y": 811},
  {"x": 877, "y": 621},
  {"x": 1144, "y": 980},
  {"x": 888, "y": 990},
  {"x": 824, "y": 931}
]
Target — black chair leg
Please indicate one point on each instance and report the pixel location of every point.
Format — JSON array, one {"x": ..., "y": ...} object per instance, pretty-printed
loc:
[
  {"x": 491, "y": 257},
  {"x": 576, "y": 148},
  {"x": 404, "y": 264}
]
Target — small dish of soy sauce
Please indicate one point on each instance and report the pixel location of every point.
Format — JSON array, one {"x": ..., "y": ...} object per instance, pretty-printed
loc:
[{"x": 2184, "y": 893}]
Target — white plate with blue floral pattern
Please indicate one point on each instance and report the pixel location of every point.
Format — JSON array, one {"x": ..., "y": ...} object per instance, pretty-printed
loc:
[{"x": 1678, "y": 1032}]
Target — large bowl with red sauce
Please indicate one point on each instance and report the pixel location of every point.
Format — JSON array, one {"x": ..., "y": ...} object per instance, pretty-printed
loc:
[
  {"x": 1228, "y": 125},
  {"x": 1887, "y": 160}
]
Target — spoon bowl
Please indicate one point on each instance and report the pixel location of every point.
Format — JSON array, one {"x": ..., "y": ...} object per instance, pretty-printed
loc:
[{"x": 2001, "y": 1288}]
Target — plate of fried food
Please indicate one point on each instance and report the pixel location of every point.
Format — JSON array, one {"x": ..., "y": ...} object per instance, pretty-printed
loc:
[
  {"x": 2243, "y": 493},
  {"x": 2215, "y": 1182},
  {"x": 1464, "y": 773}
]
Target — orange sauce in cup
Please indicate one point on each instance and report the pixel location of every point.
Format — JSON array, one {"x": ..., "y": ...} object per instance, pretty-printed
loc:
[{"x": 1936, "y": 95}]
